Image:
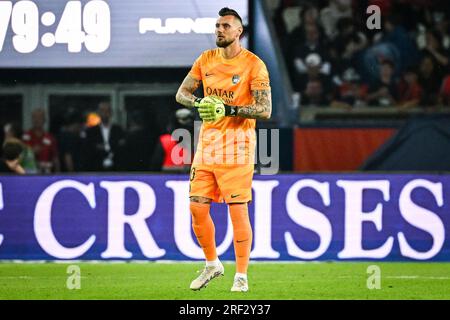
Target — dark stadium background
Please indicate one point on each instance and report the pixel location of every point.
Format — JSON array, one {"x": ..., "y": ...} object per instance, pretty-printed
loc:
[{"x": 337, "y": 118}]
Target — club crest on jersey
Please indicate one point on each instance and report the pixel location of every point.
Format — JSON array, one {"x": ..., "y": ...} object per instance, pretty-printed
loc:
[{"x": 236, "y": 78}]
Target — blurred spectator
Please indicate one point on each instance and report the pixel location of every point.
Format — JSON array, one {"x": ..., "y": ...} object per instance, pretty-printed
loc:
[
  {"x": 429, "y": 80},
  {"x": 10, "y": 162},
  {"x": 42, "y": 143},
  {"x": 349, "y": 91},
  {"x": 103, "y": 142},
  {"x": 433, "y": 47},
  {"x": 442, "y": 25},
  {"x": 349, "y": 41},
  {"x": 139, "y": 144},
  {"x": 314, "y": 68},
  {"x": 409, "y": 90},
  {"x": 373, "y": 59},
  {"x": 308, "y": 15},
  {"x": 314, "y": 95},
  {"x": 347, "y": 44},
  {"x": 28, "y": 161},
  {"x": 394, "y": 33},
  {"x": 312, "y": 46},
  {"x": 330, "y": 15},
  {"x": 185, "y": 120},
  {"x": 391, "y": 43},
  {"x": 162, "y": 158},
  {"x": 70, "y": 142},
  {"x": 384, "y": 91},
  {"x": 412, "y": 45}
]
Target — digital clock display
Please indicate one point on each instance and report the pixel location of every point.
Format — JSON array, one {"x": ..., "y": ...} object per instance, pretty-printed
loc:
[{"x": 115, "y": 33}]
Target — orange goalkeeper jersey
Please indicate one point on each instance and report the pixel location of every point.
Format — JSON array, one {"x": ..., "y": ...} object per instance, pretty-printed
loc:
[{"x": 232, "y": 80}]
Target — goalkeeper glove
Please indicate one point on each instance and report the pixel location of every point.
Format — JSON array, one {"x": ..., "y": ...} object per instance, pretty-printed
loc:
[{"x": 212, "y": 108}]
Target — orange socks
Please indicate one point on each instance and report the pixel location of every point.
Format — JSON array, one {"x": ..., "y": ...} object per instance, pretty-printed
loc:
[
  {"x": 242, "y": 235},
  {"x": 204, "y": 229}
]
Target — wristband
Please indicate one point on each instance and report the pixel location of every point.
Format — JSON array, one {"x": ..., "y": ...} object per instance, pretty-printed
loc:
[
  {"x": 197, "y": 101},
  {"x": 231, "y": 111}
]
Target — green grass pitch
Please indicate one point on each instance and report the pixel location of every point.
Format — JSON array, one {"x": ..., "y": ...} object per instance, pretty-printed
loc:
[{"x": 269, "y": 281}]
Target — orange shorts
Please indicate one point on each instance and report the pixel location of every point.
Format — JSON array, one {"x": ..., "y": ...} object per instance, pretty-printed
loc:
[{"x": 229, "y": 182}]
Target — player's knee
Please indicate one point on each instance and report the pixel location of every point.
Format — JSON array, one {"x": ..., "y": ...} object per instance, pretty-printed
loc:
[{"x": 199, "y": 212}]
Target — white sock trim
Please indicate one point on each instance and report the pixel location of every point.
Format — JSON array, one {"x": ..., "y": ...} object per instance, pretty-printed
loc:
[
  {"x": 240, "y": 275},
  {"x": 213, "y": 263}
]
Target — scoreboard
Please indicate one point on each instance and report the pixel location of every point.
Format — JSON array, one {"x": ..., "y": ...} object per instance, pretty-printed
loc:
[{"x": 108, "y": 34}]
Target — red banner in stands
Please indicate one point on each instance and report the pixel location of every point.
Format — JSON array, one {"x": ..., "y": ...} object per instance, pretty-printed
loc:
[{"x": 336, "y": 149}]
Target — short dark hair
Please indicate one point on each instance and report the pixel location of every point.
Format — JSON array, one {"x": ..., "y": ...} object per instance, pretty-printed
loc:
[
  {"x": 230, "y": 12},
  {"x": 12, "y": 149}
]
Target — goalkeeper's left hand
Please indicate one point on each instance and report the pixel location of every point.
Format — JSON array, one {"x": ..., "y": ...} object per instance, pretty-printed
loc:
[{"x": 212, "y": 108}]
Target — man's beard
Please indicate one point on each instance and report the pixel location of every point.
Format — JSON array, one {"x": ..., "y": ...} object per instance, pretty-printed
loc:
[{"x": 223, "y": 43}]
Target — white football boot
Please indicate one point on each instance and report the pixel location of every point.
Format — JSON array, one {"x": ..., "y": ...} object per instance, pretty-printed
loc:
[
  {"x": 206, "y": 276},
  {"x": 240, "y": 284}
]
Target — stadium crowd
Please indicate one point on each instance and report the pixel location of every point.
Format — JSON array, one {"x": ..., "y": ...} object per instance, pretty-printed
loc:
[
  {"x": 334, "y": 59},
  {"x": 82, "y": 146}
]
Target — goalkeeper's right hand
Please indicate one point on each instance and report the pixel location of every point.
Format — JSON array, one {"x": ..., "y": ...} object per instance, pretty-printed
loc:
[{"x": 212, "y": 108}]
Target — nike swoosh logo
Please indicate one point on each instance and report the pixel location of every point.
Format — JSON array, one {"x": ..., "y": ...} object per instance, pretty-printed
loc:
[
  {"x": 235, "y": 195},
  {"x": 209, "y": 74},
  {"x": 241, "y": 241}
]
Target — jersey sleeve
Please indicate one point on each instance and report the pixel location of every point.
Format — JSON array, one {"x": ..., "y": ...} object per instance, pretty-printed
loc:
[
  {"x": 196, "y": 71},
  {"x": 260, "y": 77}
]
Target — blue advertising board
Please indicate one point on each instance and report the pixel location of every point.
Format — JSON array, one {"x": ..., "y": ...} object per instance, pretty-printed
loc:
[{"x": 294, "y": 217}]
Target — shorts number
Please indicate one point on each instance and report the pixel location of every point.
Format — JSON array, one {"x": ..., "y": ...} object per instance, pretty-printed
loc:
[{"x": 192, "y": 174}]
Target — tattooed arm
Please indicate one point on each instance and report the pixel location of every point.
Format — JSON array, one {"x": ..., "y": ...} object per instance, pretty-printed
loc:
[
  {"x": 261, "y": 110},
  {"x": 185, "y": 92}
]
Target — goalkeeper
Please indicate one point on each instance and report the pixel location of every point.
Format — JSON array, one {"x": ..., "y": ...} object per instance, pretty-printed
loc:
[{"x": 237, "y": 92}]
